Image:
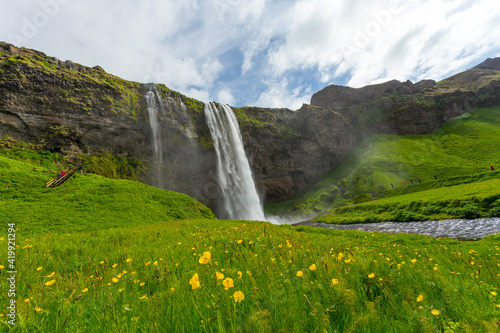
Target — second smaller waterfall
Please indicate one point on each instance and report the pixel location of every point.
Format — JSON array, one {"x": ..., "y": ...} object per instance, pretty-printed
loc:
[{"x": 156, "y": 131}]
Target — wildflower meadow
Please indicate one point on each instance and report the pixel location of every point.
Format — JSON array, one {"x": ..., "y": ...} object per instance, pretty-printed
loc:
[{"x": 238, "y": 276}]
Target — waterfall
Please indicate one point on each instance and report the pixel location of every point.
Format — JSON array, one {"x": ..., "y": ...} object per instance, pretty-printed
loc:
[
  {"x": 240, "y": 197},
  {"x": 155, "y": 128}
]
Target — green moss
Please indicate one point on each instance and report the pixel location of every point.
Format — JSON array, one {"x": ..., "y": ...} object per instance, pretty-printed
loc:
[
  {"x": 124, "y": 94},
  {"x": 256, "y": 121}
]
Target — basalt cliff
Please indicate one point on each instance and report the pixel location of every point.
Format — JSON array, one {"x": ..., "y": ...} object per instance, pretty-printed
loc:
[{"x": 63, "y": 106}]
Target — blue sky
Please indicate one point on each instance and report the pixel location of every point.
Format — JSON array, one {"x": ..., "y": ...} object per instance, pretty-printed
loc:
[{"x": 270, "y": 53}]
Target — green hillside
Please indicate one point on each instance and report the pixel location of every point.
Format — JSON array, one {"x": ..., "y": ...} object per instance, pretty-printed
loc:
[
  {"x": 85, "y": 202},
  {"x": 473, "y": 200},
  {"x": 464, "y": 146}
]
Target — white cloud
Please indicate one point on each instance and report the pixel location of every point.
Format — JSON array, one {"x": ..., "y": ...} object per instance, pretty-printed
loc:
[
  {"x": 201, "y": 95},
  {"x": 279, "y": 95},
  {"x": 224, "y": 96}
]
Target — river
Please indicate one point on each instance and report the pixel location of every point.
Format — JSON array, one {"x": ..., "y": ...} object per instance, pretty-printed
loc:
[{"x": 462, "y": 229}]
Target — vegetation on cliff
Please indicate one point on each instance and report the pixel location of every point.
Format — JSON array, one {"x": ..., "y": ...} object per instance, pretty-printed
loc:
[
  {"x": 66, "y": 85},
  {"x": 464, "y": 146}
]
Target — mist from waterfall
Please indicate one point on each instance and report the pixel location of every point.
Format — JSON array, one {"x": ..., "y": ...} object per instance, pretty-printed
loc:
[
  {"x": 156, "y": 131},
  {"x": 240, "y": 198}
]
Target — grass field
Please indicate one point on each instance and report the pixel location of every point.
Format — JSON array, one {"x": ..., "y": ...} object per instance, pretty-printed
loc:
[
  {"x": 464, "y": 146},
  {"x": 238, "y": 276}
]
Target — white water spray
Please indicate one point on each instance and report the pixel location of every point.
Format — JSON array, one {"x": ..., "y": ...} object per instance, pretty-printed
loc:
[
  {"x": 155, "y": 128},
  {"x": 240, "y": 197}
]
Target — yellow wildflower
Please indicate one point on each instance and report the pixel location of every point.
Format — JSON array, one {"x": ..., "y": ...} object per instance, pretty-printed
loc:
[
  {"x": 205, "y": 258},
  {"x": 2, "y": 266},
  {"x": 494, "y": 293},
  {"x": 219, "y": 276},
  {"x": 114, "y": 265},
  {"x": 240, "y": 274},
  {"x": 39, "y": 268},
  {"x": 115, "y": 280},
  {"x": 228, "y": 283},
  {"x": 249, "y": 273},
  {"x": 240, "y": 241},
  {"x": 49, "y": 283},
  {"x": 335, "y": 281},
  {"x": 172, "y": 289},
  {"x": 143, "y": 297},
  {"x": 414, "y": 260},
  {"x": 51, "y": 274},
  {"x": 312, "y": 267},
  {"x": 435, "y": 312},
  {"x": 128, "y": 260},
  {"x": 37, "y": 309},
  {"x": 340, "y": 256},
  {"x": 85, "y": 290},
  {"x": 371, "y": 276},
  {"x": 435, "y": 268},
  {"x": 27, "y": 300},
  {"x": 102, "y": 262},
  {"x": 147, "y": 263},
  {"x": 195, "y": 282},
  {"x": 120, "y": 290},
  {"x": 155, "y": 263},
  {"x": 238, "y": 296},
  {"x": 420, "y": 298},
  {"x": 142, "y": 284},
  {"x": 300, "y": 274}
]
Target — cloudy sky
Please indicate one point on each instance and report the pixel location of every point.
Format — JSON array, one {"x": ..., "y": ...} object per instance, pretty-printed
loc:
[{"x": 272, "y": 53}]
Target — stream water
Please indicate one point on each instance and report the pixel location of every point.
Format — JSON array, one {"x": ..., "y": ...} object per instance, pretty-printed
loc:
[{"x": 461, "y": 228}]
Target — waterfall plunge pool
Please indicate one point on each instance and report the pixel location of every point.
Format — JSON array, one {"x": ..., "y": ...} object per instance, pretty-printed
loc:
[{"x": 461, "y": 229}]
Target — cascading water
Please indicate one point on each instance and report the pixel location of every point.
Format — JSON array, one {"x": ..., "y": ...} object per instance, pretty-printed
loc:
[
  {"x": 155, "y": 128},
  {"x": 240, "y": 197}
]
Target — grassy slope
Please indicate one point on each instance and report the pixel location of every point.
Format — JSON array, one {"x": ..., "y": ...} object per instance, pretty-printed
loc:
[
  {"x": 478, "y": 199},
  {"x": 463, "y": 146},
  {"x": 85, "y": 201}
]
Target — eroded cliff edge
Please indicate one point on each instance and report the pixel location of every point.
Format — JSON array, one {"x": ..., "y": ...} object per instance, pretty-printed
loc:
[{"x": 72, "y": 108}]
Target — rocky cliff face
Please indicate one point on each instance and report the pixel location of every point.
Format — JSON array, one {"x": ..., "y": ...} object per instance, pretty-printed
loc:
[{"x": 68, "y": 107}]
